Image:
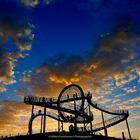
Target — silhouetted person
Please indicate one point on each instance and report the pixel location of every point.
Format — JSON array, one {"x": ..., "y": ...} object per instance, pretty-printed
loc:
[
  {"x": 71, "y": 128},
  {"x": 50, "y": 102},
  {"x": 43, "y": 99},
  {"x": 29, "y": 99},
  {"x": 76, "y": 95},
  {"x": 68, "y": 118},
  {"x": 40, "y": 99},
  {"x": 39, "y": 111},
  {"x": 89, "y": 95},
  {"x": 67, "y": 96},
  {"x": 71, "y": 117}
]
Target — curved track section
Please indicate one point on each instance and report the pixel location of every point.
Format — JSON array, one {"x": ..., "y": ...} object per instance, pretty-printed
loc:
[
  {"x": 106, "y": 110},
  {"x": 79, "y": 95},
  {"x": 49, "y": 114},
  {"x": 69, "y": 111},
  {"x": 53, "y": 116}
]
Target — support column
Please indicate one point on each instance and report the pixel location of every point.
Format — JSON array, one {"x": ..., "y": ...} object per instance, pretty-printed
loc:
[
  {"x": 75, "y": 124},
  {"x": 44, "y": 120},
  {"x": 62, "y": 126},
  {"x": 58, "y": 124},
  {"x": 91, "y": 121},
  {"x": 84, "y": 122},
  {"x": 123, "y": 135},
  {"x": 105, "y": 129},
  {"x": 128, "y": 130},
  {"x": 41, "y": 124},
  {"x": 91, "y": 126},
  {"x": 84, "y": 125},
  {"x": 32, "y": 110},
  {"x": 30, "y": 125}
]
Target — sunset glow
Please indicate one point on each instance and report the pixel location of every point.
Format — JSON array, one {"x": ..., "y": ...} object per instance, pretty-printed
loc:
[{"x": 46, "y": 45}]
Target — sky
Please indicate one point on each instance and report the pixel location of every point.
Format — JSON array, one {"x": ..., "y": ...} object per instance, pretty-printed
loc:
[{"x": 48, "y": 44}]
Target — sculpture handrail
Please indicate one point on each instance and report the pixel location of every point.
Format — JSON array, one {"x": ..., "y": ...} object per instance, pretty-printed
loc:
[{"x": 109, "y": 111}]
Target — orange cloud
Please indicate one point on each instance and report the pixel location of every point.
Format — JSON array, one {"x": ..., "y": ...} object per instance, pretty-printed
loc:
[
  {"x": 14, "y": 116},
  {"x": 137, "y": 67}
]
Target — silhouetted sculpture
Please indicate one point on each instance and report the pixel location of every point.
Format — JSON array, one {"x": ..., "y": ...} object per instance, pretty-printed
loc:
[{"x": 75, "y": 113}]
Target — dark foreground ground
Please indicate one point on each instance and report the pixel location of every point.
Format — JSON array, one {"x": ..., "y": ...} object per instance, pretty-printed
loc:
[{"x": 60, "y": 135}]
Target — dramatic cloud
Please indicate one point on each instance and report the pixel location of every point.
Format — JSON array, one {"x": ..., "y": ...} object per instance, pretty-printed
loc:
[
  {"x": 14, "y": 116},
  {"x": 2, "y": 88},
  {"x": 15, "y": 38},
  {"x": 114, "y": 52},
  {"x": 133, "y": 100},
  {"x": 17, "y": 29},
  {"x": 137, "y": 67},
  {"x": 111, "y": 65}
]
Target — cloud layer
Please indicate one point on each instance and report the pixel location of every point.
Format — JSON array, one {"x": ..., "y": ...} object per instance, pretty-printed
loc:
[
  {"x": 112, "y": 66},
  {"x": 114, "y": 59},
  {"x": 15, "y": 38}
]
